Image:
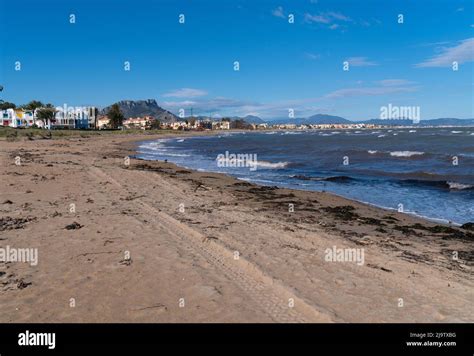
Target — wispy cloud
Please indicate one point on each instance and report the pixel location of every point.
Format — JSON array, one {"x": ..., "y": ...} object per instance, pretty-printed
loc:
[
  {"x": 360, "y": 62},
  {"x": 394, "y": 82},
  {"x": 303, "y": 106},
  {"x": 317, "y": 18},
  {"x": 326, "y": 17},
  {"x": 461, "y": 53},
  {"x": 179, "y": 104},
  {"x": 278, "y": 12},
  {"x": 313, "y": 56},
  {"x": 338, "y": 16},
  {"x": 209, "y": 105},
  {"x": 185, "y": 93},
  {"x": 369, "y": 91}
]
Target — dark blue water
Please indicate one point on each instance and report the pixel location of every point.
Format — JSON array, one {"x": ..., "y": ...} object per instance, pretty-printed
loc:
[{"x": 427, "y": 172}]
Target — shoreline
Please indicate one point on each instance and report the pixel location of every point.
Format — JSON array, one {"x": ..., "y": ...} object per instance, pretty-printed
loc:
[
  {"x": 232, "y": 250},
  {"x": 444, "y": 221}
]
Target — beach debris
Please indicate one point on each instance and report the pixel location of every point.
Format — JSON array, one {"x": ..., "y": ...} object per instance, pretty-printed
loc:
[
  {"x": 448, "y": 232},
  {"x": 345, "y": 212},
  {"x": 202, "y": 187},
  {"x": 8, "y": 201},
  {"x": 21, "y": 284},
  {"x": 159, "y": 306},
  {"x": 47, "y": 135},
  {"x": 126, "y": 262},
  {"x": 74, "y": 226},
  {"x": 243, "y": 184},
  {"x": 468, "y": 226},
  {"x": 209, "y": 238},
  {"x": 378, "y": 267},
  {"x": 9, "y": 223}
]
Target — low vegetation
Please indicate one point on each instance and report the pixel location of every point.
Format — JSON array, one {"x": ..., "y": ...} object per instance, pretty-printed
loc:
[{"x": 13, "y": 134}]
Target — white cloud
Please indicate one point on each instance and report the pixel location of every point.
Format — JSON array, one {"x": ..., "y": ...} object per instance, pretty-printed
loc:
[
  {"x": 278, "y": 12},
  {"x": 313, "y": 55},
  {"x": 368, "y": 91},
  {"x": 303, "y": 106},
  {"x": 317, "y": 18},
  {"x": 394, "y": 82},
  {"x": 179, "y": 104},
  {"x": 360, "y": 62},
  {"x": 326, "y": 18},
  {"x": 461, "y": 53},
  {"x": 338, "y": 16},
  {"x": 381, "y": 87},
  {"x": 334, "y": 26},
  {"x": 185, "y": 93}
]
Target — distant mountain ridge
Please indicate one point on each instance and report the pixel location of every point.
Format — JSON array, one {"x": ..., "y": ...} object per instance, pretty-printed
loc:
[
  {"x": 140, "y": 108},
  {"x": 250, "y": 119},
  {"x": 318, "y": 119},
  {"x": 321, "y": 119},
  {"x": 430, "y": 122}
]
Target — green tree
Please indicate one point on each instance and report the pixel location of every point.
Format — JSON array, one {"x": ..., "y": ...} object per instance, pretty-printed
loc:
[
  {"x": 154, "y": 125},
  {"x": 33, "y": 105},
  {"x": 115, "y": 116},
  {"x": 240, "y": 124},
  {"x": 46, "y": 114},
  {"x": 4, "y": 105}
]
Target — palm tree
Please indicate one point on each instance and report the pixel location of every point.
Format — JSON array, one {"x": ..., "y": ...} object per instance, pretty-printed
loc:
[{"x": 46, "y": 114}]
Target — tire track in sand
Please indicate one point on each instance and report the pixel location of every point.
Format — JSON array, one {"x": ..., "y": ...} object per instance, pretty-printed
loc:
[{"x": 270, "y": 296}]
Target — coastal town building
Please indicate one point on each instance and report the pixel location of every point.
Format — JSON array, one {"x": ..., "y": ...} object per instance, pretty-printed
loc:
[
  {"x": 138, "y": 122},
  {"x": 221, "y": 125},
  {"x": 102, "y": 122},
  {"x": 17, "y": 118},
  {"x": 74, "y": 118}
]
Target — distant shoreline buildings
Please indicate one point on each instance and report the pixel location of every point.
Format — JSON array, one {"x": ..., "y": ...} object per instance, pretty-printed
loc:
[
  {"x": 86, "y": 118},
  {"x": 76, "y": 118}
]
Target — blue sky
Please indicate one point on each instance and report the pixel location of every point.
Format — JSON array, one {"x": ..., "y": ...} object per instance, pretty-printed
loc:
[{"x": 283, "y": 65}]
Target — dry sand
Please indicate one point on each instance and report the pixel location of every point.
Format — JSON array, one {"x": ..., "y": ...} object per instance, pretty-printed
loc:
[{"x": 183, "y": 264}]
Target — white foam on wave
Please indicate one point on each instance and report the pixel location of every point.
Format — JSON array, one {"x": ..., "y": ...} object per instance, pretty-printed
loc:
[
  {"x": 277, "y": 165},
  {"x": 459, "y": 186},
  {"x": 372, "y": 152},
  {"x": 406, "y": 153}
]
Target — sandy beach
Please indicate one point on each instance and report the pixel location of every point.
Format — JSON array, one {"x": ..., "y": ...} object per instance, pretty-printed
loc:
[{"x": 145, "y": 241}]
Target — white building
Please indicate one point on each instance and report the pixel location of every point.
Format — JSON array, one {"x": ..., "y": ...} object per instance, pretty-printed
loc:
[
  {"x": 77, "y": 118},
  {"x": 220, "y": 125},
  {"x": 16, "y": 118}
]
